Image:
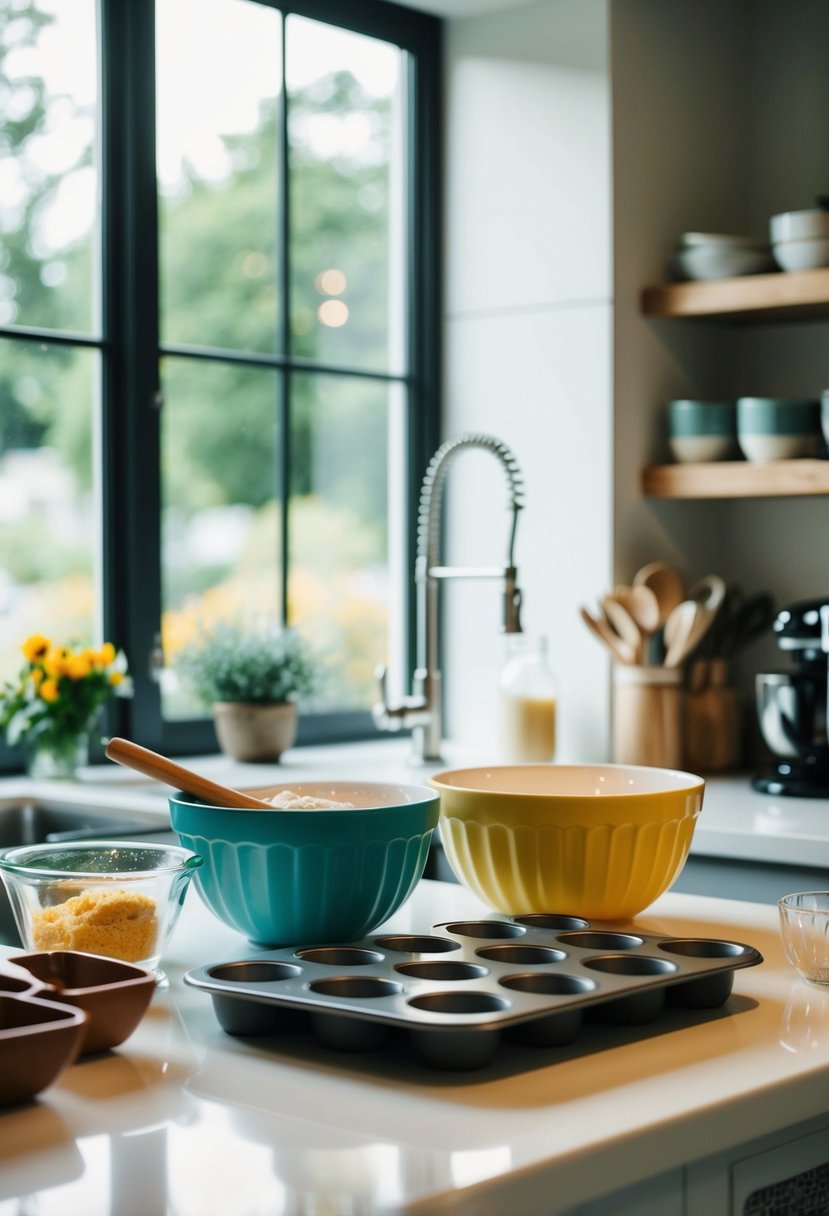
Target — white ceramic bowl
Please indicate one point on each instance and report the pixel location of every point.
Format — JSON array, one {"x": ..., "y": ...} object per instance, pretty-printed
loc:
[
  {"x": 799, "y": 225},
  {"x": 810, "y": 253},
  {"x": 692, "y": 239},
  {"x": 719, "y": 260}
]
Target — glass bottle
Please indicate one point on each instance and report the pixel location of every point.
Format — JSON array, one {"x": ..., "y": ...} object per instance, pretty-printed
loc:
[{"x": 528, "y": 701}]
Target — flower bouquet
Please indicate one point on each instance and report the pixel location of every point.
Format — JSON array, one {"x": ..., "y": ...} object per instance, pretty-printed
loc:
[{"x": 54, "y": 702}]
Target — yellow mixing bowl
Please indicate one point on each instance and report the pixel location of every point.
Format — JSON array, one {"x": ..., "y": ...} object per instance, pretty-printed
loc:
[{"x": 601, "y": 841}]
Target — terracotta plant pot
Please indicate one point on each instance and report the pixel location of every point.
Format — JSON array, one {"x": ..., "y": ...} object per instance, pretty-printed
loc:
[{"x": 255, "y": 732}]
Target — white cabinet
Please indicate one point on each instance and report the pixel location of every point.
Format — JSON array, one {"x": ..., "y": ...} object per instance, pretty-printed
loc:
[{"x": 783, "y": 1175}]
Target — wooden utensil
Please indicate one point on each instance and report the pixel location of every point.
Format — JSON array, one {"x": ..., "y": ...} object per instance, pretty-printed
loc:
[
  {"x": 600, "y": 627},
  {"x": 643, "y": 606},
  {"x": 623, "y": 624},
  {"x": 709, "y": 591},
  {"x": 678, "y": 632},
  {"x": 151, "y": 764},
  {"x": 666, "y": 584}
]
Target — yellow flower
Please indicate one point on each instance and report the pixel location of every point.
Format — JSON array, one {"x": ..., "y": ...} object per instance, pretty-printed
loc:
[
  {"x": 35, "y": 647},
  {"x": 116, "y": 677},
  {"x": 37, "y": 675},
  {"x": 49, "y": 690},
  {"x": 55, "y": 662},
  {"x": 106, "y": 655},
  {"x": 78, "y": 666}
]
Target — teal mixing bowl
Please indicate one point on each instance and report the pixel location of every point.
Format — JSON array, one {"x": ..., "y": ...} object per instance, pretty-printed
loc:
[{"x": 310, "y": 876}]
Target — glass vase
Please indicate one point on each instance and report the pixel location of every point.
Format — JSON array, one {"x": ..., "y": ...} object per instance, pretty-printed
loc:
[{"x": 54, "y": 758}]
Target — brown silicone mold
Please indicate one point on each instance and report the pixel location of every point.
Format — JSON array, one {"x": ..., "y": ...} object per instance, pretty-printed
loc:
[
  {"x": 113, "y": 995},
  {"x": 457, "y": 988},
  {"x": 38, "y": 1040}
]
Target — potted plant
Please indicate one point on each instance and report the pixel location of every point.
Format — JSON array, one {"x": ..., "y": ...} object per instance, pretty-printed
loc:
[
  {"x": 53, "y": 703},
  {"x": 251, "y": 677}
]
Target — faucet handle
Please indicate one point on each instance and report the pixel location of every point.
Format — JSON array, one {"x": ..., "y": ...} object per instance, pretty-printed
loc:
[{"x": 411, "y": 711}]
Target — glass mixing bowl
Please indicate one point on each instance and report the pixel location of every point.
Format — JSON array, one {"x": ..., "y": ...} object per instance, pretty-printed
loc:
[{"x": 120, "y": 899}]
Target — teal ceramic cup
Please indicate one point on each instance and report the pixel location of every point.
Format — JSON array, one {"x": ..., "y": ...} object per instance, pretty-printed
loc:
[
  {"x": 778, "y": 428},
  {"x": 700, "y": 430},
  {"x": 310, "y": 876}
]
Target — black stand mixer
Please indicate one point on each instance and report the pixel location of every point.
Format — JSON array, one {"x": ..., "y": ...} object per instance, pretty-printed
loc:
[{"x": 792, "y": 705}]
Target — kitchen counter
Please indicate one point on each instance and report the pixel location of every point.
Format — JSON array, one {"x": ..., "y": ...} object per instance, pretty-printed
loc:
[{"x": 186, "y": 1119}]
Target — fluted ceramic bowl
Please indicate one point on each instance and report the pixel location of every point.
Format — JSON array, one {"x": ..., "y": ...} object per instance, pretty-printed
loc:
[
  {"x": 310, "y": 876},
  {"x": 601, "y": 841}
]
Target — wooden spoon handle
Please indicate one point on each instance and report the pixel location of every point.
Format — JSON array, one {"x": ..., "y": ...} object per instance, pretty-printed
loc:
[{"x": 151, "y": 764}]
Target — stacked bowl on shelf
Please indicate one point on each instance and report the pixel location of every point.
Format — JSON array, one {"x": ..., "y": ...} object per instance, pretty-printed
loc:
[
  {"x": 715, "y": 255},
  {"x": 800, "y": 239}
]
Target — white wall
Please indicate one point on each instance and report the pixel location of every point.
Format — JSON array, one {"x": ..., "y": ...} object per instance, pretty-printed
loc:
[{"x": 528, "y": 345}]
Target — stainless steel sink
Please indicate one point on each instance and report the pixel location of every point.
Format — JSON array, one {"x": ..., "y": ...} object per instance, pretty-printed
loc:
[{"x": 42, "y": 820}]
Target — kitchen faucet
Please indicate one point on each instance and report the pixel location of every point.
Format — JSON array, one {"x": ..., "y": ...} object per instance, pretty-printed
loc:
[{"x": 422, "y": 712}]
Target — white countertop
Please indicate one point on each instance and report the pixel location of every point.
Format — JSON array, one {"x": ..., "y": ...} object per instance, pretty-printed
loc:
[
  {"x": 736, "y": 821},
  {"x": 187, "y": 1119}
]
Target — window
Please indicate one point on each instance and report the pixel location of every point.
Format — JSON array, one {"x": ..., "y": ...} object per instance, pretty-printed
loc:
[{"x": 218, "y": 338}]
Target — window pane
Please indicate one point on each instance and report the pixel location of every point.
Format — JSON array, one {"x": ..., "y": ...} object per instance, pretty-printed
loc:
[
  {"x": 220, "y": 515},
  {"x": 48, "y": 165},
  {"x": 340, "y": 587},
  {"x": 49, "y": 581},
  {"x": 347, "y": 161},
  {"x": 218, "y": 88}
]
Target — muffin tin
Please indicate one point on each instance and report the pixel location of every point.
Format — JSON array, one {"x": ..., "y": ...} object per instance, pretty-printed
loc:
[
  {"x": 55, "y": 1007},
  {"x": 456, "y": 989}
]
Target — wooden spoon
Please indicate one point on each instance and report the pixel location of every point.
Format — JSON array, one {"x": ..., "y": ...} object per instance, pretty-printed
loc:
[
  {"x": 151, "y": 764},
  {"x": 684, "y": 630},
  {"x": 642, "y": 605},
  {"x": 666, "y": 584},
  {"x": 624, "y": 625},
  {"x": 600, "y": 627}
]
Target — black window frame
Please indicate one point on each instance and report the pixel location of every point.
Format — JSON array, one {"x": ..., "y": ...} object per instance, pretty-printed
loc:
[{"x": 131, "y": 350}]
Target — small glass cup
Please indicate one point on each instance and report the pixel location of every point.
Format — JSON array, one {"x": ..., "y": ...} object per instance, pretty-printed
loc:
[
  {"x": 804, "y": 926},
  {"x": 116, "y": 898}
]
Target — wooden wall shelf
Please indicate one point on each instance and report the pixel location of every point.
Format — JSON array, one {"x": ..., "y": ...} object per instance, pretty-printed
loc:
[
  {"x": 784, "y": 296},
  {"x": 737, "y": 479}
]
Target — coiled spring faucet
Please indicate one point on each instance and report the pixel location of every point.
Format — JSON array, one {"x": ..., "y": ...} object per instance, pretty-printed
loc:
[{"x": 422, "y": 712}]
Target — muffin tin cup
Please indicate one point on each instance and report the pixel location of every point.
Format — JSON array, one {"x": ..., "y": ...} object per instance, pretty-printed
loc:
[{"x": 458, "y": 989}]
